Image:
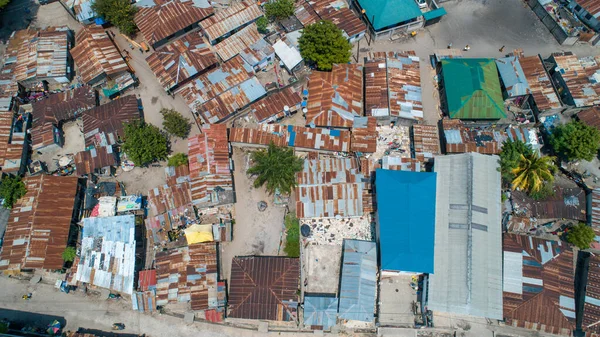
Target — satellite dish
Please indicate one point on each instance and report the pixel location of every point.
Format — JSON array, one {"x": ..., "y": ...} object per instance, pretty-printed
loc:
[
  {"x": 305, "y": 230},
  {"x": 286, "y": 108}
]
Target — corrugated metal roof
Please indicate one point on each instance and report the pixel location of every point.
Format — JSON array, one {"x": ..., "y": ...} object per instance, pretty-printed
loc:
[
  {"x": 426, "y": 141},
  {"x": 335, "y": 98},
  {"x": 235, "y": 16},
  {"x": 320, "y": 311},
  {"x": 461, "y": 139},
  {"x": 164, "y": 198},
  {"x": 591, "y": 6},
  {"x": 407, "y": 232},
  {"x": 512, "y": 76},
  {"x": 538, "y": 284},
  {"x": 581, "y": 78},
  {"x": 247, "y": 42},
  {"x": 358, "y": 282},
  {"x": 231, "y": 101},
  {"x": 39, "y": 224},
  {"x": 103, "y": 125},
  {"x": 590, "y": 116},
  {"x": 107, "y": 258},
  {"x": 467, "y": 277},
  {"x": 144, "y": 301},
  {"x": 213, "y": 83},
  {"x": 376, "y": 87},
  {"x": 160, "y": 19},
  {"x": 591, "y": 308},
  {"x": 57, "y": 108},
  {"x": 94, "y": 159},
  {"x": 305, "y": 13},
  {"x": 390, "y": 13},
  {"x": 288, "y": 54},
  {"x": 8, "y": 77},
  {"x": 82, "y": 9},
  {"x": 189, "y": 274},
  {"x": 336, "y": 11},
  {"x": 43, "y": 55},
  {"x": 180, "y": 60},
  {"x": 13, "y": 134},
  {"x": 294, "y": 136},
  {"x": 147, "y": 279},
  {"x": 272, "y": 107},
  {"x": 96, "y": 55},
  {"x": 364, "y": 135},
  {"x": 540, "y": 83},
  {"x": 566, "y": 203},
  {"x": 264, "y": 287}
]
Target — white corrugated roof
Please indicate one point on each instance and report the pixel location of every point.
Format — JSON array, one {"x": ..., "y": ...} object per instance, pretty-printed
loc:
[
  {"x": 467, "y": 276},
  {"x": 288, "y": 55}
]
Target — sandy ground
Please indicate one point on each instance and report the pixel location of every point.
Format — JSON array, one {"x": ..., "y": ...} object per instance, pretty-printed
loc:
[
  {"x": 254, "y": 232},
  {"x": 142, "y": 179},
  {"x": 54, "y": 14},
  {"x": 74, "y": 142}
]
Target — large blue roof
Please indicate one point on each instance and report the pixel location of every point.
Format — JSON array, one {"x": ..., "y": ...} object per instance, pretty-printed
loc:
[
  {"x": 406, "y": 220},
  {"x": 387, "y": 13}
]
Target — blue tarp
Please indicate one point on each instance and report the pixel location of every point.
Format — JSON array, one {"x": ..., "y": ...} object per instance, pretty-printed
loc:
[{"x": 406, "y": 220}]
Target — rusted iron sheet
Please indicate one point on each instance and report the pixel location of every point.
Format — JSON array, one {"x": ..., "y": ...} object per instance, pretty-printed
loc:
[
  {"x": 364, "y": 135},
  {"x": 590, "y": 116},
  {"x": 540, "y": 83},
  {"x": 43, "y": 55},
  {"x": 235, "y": 16},
  {"x": 376, "y": 88},
  {"x": 273, "y": 107},
  {"x": 247, "y": 42},
  {"x": 426, "y": 141},
  {"x": 94, "y": 159},
  {"x": 103, "y": 125},
  {"x": 579, "y": 78}
]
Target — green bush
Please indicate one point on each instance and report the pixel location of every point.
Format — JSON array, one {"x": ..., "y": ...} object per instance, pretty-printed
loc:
[
  {"x": 261, "y": 25},
  {"x": 12, "y": 188},
  {"x": 324, "y": 45},
  {"x": 119, "y": 12},
  {"x": 178, "y": 159},
  {"x": 279, "y": 9},
  {"x": 144, "y": 143},
  {"x": 581, "y": 236},
  {"x": 175, "y": 124},
  {"x": 575, "y": 141},
  {"x": 292, "y": 236},
  {"x": 69, "y": 254}
]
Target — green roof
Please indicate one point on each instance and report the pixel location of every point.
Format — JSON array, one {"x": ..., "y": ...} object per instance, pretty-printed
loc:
[
  {"x": 385, "y": 13},
  {"x": 434, "y": 14},
  {"x": 473, "y": 89}
]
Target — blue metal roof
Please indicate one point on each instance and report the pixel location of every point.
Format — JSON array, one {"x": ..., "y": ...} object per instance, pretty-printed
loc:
[
  {"x": 434, "y": 14},
  {"x": 512, "y": 76},
  {"x": 359, "y": 280},
  {"x": 388, "y": 13},
  {"x": 406, "y": 219},
  {"x": 320, "y": 311}
]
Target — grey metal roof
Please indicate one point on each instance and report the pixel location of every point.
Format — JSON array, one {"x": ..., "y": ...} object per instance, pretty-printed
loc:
[
  {"x": 467, "y": 276},
  {"x": 359, "y": 281},
  {"x": 320, "y": 311},
  {"x": 513, "y": 76}
]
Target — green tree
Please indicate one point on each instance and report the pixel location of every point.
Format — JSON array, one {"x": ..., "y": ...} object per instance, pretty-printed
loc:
[
  {"x": 144, "y": 143},
  {"x": 277, "y": 167},
  {"x": 581, "y": 236},
  {"x": 292, "y": 236},
  {"x": 69, "y": 254},
  {"x": 3, "y": 3},
  {"x": 575, "y": 141},
  {"x": 533, "y": 172},
  {"x": 119, "y": 12},
  {"x": 510, "y": 156},
  {"x": 323, "y": 44},
  {"x": 178, "y": 159},
  {"x": 261, "y": 25},
  {"x": 12, "y": 188},
  {"x": 279, "y": 9},
  {"x": 175, "y": 124},
  {"x": 3, "y": 327}
]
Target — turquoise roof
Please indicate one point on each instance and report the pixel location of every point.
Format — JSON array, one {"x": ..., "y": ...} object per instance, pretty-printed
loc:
[
  {"x": 434, "y": 14},
  {"x": 389, "y": 12}
]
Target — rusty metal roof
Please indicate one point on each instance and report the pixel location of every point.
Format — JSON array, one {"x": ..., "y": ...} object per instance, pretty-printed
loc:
[
  {"x": 177, "y": 175},
  {"x": 96, "y": 55},
  {"x": 189, "y": 274},
  {"x": 213, "y": 83},
  {"x": 364, "y": 135},
  {"x": 264, "y": 287},
  {"x": 8, "y": 77},
  {"x": 42, "y": 55},
  {"x": 580, "y": 77},
  {"x": 209, "y": 163},
  {"x": 295, "y": 136},
  {"x": 329, "y": 187},
  {"x": 160, "y": 19},
  {"x": 39, "y": 224},
  {"x": 460, "y": 139},
  {"x": 103, "y": 125},
  {"x": 540, "y": 83},
  {"x": 273, "y": 107},
  {"x": 590, "y": 116},
  {"x": 247, "y": 42},
  {"x": 180, "y": 60},
  {"x": 591, "y": 6},
  {"x": 566, "y": 203},
  {"x": 376, "y": 88},
  {"x": 336, "y": 11},
  {"x": 305, "y": 13},
  {"x": 591, "y": 307},
  {"x": 147, "y": 279},
  {"x": 426, "y": 141},
  {"x": 167, "y": 197},
  {"x": 538, "y": 284},
  {"x": 231, "y": 101},
  {"x": 13, "y": 133},
  {"x": 235, "y": 16},
  {"x": 335, "y": 98},
  {"x": 94, "y": 159},
  {"x": 57, "y": 108}
]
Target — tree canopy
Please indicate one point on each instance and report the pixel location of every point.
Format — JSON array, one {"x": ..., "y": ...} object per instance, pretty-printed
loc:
[
  {"x": 576, "y": 141},
  {"x": 69, "y": 254},
  {"x": 323, "y": 44},
  {"x": 119, "y": 12},
  {"x": 279, "y": 9},
  {"x": 533, "y": 172},
  {"x": 581, "y": 236},
  {"x": 3, "y": 3},
  {"x": 175, "y": 124},
  {"x": 144, "y": 143},
  {"x": 510, "y": 156},
  {"x": 178, "y": 159},
  {"x": 261, "y": 24},
  {"x": 11, "y": 189},
  {"x": 276, "y": 167}
]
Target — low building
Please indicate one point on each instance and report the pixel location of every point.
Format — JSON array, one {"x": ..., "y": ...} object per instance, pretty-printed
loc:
[
  {"x": 358, "y": 281},
  {"x": 560, "y": 21},
  {"x": 426, "y": 142},
  {"x": 238, "y": 15},
  {"x": 264, "y": 288},
  {"x": 160, "y": 20},
  {"x": 591, "y": 297},
  {"x": 588, "y": 11},
  {"x": 276, "y": 106},
  {"x": 405, "y": 234},
  {"x": 335, "y": 98},
  {"x": 8, "y": 69},
  {"x": 472, "y": 89},
  {"x": 288, "y": 54},
  {"x": 565, "y": 203},
  {"x": 94, "y": 160},
  {"x": 107, "y": 258},
  {"x": 82, "y": 9},
  {"x": 577, "y": 80},
  {"x": 98, "y": 60},
  {"x": 230, "y": 102},
  {"x": 181, "y": 60},
  {"x": 590, "y": 116},
  {"x": 338, "y": 12},
  {"x": 467, "y": 275},
  {"x": 320, "y": 311},
  {"x": 170, "y": 208},
  {"x": 14, "y": 142},
  {"x": 50, "y": 113},
  {"x": 249, "y": 44},
  {"x": 459, "y": 138},
  {"x": 40, "y": 224},
  {"x": 364, "y": 135}
]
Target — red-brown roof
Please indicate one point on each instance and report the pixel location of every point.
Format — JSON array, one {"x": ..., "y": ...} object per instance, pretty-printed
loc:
[
  {"x": 376, "y": 88},
  {"x": 461, "y": 139},
  {"x": 426, "y": 141},
  {"x": 39, "y": 224},
  {"x": 159, "y": 19},
  {"x": 331, "y": 10},
  {"x": 264, "y": 287},
  {"x": 43, "y": 54},
  {"x": 590, "y": 116},
  {"x": 103, "y": 125},
  {"x": 591, "y": 311},
  {"x": 224, "y": 21},
  {"x": 540, "y": 83},
  {"x": 146, "y": 279},
  {"x": 168, "y": 197},
  {"x": 335, "y": 97},
  {"x": 94, "y": 159},
  {"x": 273, "y": 106},
  {"x": 364, "y": 135},
  {"x": 11, "y": 144},
  {"x": 567, "y": 203}
]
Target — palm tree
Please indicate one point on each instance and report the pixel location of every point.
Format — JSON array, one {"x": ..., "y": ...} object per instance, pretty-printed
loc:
[
  {"x": 533, "y": 172},
  {"x": 277, "y": 167}
]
